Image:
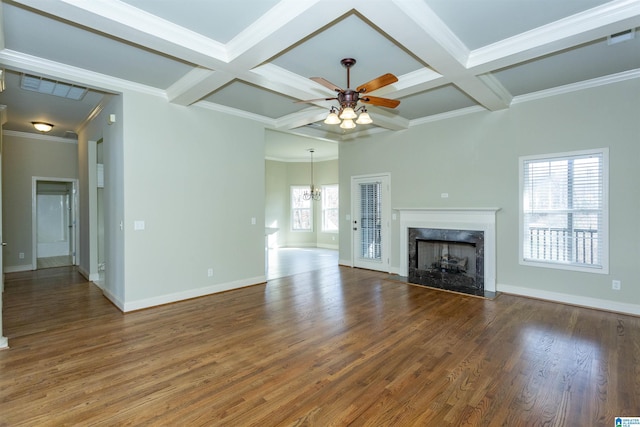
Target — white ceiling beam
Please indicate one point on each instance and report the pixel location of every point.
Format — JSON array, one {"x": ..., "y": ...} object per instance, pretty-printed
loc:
[
  {"x": 118, "y": 19},
  {"x": 416, "y": 27},
  {"x": 387, "y": 119},
  {"x": 574, "y": 30},
  {"x": 301, "y": 118},
  {"x": 196, "y": 84}
]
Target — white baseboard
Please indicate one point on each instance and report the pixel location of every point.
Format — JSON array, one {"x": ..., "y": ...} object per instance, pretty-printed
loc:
[
  {"x": 181, "y": 296},
  {"x": 4, "y": 343},
  {"x": 600, "y": 304},
  {"x": 90, "y": 277},
  {"x": 18, "y": 268},
  {"x": 114, "y": 300},
  {"x": 325, "y": 246},
  {"x": 345, "y": 262},
  {"x": 298, "y": 245}
]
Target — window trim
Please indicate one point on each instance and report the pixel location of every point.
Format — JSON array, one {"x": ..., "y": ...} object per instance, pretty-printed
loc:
[
  {"x": 322, "y": 209},
  {"x": 604, "y": 267},
  {"x": 291, "y": 209}
]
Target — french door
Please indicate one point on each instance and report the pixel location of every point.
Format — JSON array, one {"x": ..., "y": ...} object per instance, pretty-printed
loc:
[{"x": 370, "y": 197}]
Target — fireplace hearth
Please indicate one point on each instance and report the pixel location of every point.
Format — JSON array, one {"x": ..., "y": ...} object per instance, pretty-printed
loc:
[{"x": 447, "y": 259}]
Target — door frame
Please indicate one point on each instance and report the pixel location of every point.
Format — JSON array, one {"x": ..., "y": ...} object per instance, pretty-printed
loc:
[
  {"x": 74, "y": 237},
  {"x": 385, "y": 178}
]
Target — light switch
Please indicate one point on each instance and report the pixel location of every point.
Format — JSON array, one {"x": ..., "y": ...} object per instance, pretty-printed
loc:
[
  {"x": 253, "y": 221},
  {"x": 138, "y": 225}
]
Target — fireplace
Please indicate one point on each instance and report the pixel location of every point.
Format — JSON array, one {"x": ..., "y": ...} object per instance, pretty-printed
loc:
[
  {"x": 467, "y": 232},
  {"x": 447, "y": 259}
]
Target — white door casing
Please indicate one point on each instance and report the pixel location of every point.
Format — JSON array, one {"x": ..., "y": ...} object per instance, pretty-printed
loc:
[{"x": 371, "y": 212}]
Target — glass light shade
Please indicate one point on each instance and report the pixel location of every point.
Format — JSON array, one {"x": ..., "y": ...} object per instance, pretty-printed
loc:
[
  {"x": 42, "y": 127},
  {"x": 348, "y": 114},
  {"x": 364, "y": 119},
  {"x": 332, "y": 119},
  {"x": 347, "y": 124}
]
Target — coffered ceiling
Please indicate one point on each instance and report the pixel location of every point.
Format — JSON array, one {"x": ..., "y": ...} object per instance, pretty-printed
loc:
[{"x": 254, "y": 58}]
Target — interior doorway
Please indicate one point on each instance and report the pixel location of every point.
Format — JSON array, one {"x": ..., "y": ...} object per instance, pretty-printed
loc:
[{"x": 54, "y": 222}]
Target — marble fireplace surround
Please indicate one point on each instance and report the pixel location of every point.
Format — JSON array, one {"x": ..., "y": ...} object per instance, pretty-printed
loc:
[{"x": 475, "y": 219}]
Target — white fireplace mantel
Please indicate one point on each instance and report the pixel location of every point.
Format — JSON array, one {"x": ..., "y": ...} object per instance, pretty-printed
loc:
[{"x": 477, "y": 219}]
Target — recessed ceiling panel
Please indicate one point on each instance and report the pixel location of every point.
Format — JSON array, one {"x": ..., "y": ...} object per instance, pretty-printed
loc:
[
  {"x": 351, "y": 37},
  {"x": 435, "y": 101},
  {"x": 480, "y": 23},
  {"x": 77, "y": 47},
  {"x": 586, "y": 62},
  {"x": 220, "y": 20},
  {"x": 247, "y": 97}
]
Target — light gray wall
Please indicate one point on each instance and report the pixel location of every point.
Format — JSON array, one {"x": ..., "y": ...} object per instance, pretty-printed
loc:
[
  {"x": 196, "y": 178},
  {"x": 280, "y": 176},
  {"x": 277, "y": 202},
  {"x": 474, "y": 158},
  {"x": 25, "y": 156},
  {"x": 113, "y": 198}
]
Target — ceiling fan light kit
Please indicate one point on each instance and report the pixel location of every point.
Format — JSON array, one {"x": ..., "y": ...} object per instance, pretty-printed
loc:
[{"x": 348, "y": 99}]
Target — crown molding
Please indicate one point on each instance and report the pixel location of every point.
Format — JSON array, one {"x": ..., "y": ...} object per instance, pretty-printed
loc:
[
  {"x": 574, "y": 87},
  {"x": 38, "y": 136},
  {"x": 29, "y": 64}
]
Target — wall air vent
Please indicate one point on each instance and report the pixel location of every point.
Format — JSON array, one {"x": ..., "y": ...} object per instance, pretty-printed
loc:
[
  {"x": 622, "y": 36},
  {"x": 52, "y": 87}
]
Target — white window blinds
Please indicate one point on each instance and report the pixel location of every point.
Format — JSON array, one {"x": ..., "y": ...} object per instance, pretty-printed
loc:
[
  {"x": 564, "y": 209},
  {"x": 371, "y": 220}
]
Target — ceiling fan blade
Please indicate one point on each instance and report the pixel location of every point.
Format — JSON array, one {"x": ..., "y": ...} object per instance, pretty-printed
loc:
[
  {"x": 382, "y": 102},
  {"x": 326, "y": 83},
  {"x": 377, "y": 83},
  {"x": 314, "y": 100}
]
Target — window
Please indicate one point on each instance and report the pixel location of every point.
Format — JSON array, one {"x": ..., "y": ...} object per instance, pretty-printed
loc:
[
  {"x": 301, "y": 212},
  {"x": 330, "y": 203},
  {"x": 563, "y": 211}
]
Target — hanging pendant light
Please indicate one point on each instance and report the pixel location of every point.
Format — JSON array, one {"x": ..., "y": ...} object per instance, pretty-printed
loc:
[{"x": 314, "y": 193}]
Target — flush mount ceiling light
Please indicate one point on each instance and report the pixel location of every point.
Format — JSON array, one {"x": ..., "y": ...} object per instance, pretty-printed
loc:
[
  {"x": 348, "y": 98},
  {"x": 42, "y": 126},
  {"x": 52, "y": 87}
]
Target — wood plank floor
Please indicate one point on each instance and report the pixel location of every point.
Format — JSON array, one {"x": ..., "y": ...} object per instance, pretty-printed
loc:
[{"x": 337, "y": 347}]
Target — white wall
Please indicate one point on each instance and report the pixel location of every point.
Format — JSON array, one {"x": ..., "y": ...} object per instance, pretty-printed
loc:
[{"x": 474, "y": 158}]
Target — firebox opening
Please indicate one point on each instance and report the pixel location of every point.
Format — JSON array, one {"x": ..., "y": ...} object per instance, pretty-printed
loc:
[{"x": 447, "y": 257}]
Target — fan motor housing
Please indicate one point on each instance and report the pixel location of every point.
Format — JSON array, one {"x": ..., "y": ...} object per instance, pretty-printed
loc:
[{"x": 348, "y": 98}]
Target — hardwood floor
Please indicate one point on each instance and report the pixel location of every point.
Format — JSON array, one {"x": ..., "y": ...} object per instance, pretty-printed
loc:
[
  {"x": 54, "y": 261},
  {"x": 337, "y": 346},
  {"x": 283, "y": 262}
]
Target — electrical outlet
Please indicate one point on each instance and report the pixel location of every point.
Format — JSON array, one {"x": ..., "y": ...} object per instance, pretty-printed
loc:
[
  {"x": 21, "y": 255},
  {"x": 210, "y": 272},
  {"x": 615, "y": 285}
]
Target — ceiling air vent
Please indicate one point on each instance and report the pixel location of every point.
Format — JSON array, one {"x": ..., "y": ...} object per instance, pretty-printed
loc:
[{"x": 52, "y": 87}]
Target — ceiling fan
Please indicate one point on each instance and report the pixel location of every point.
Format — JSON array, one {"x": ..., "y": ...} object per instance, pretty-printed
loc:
[{"x": 349, "y": 98}]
